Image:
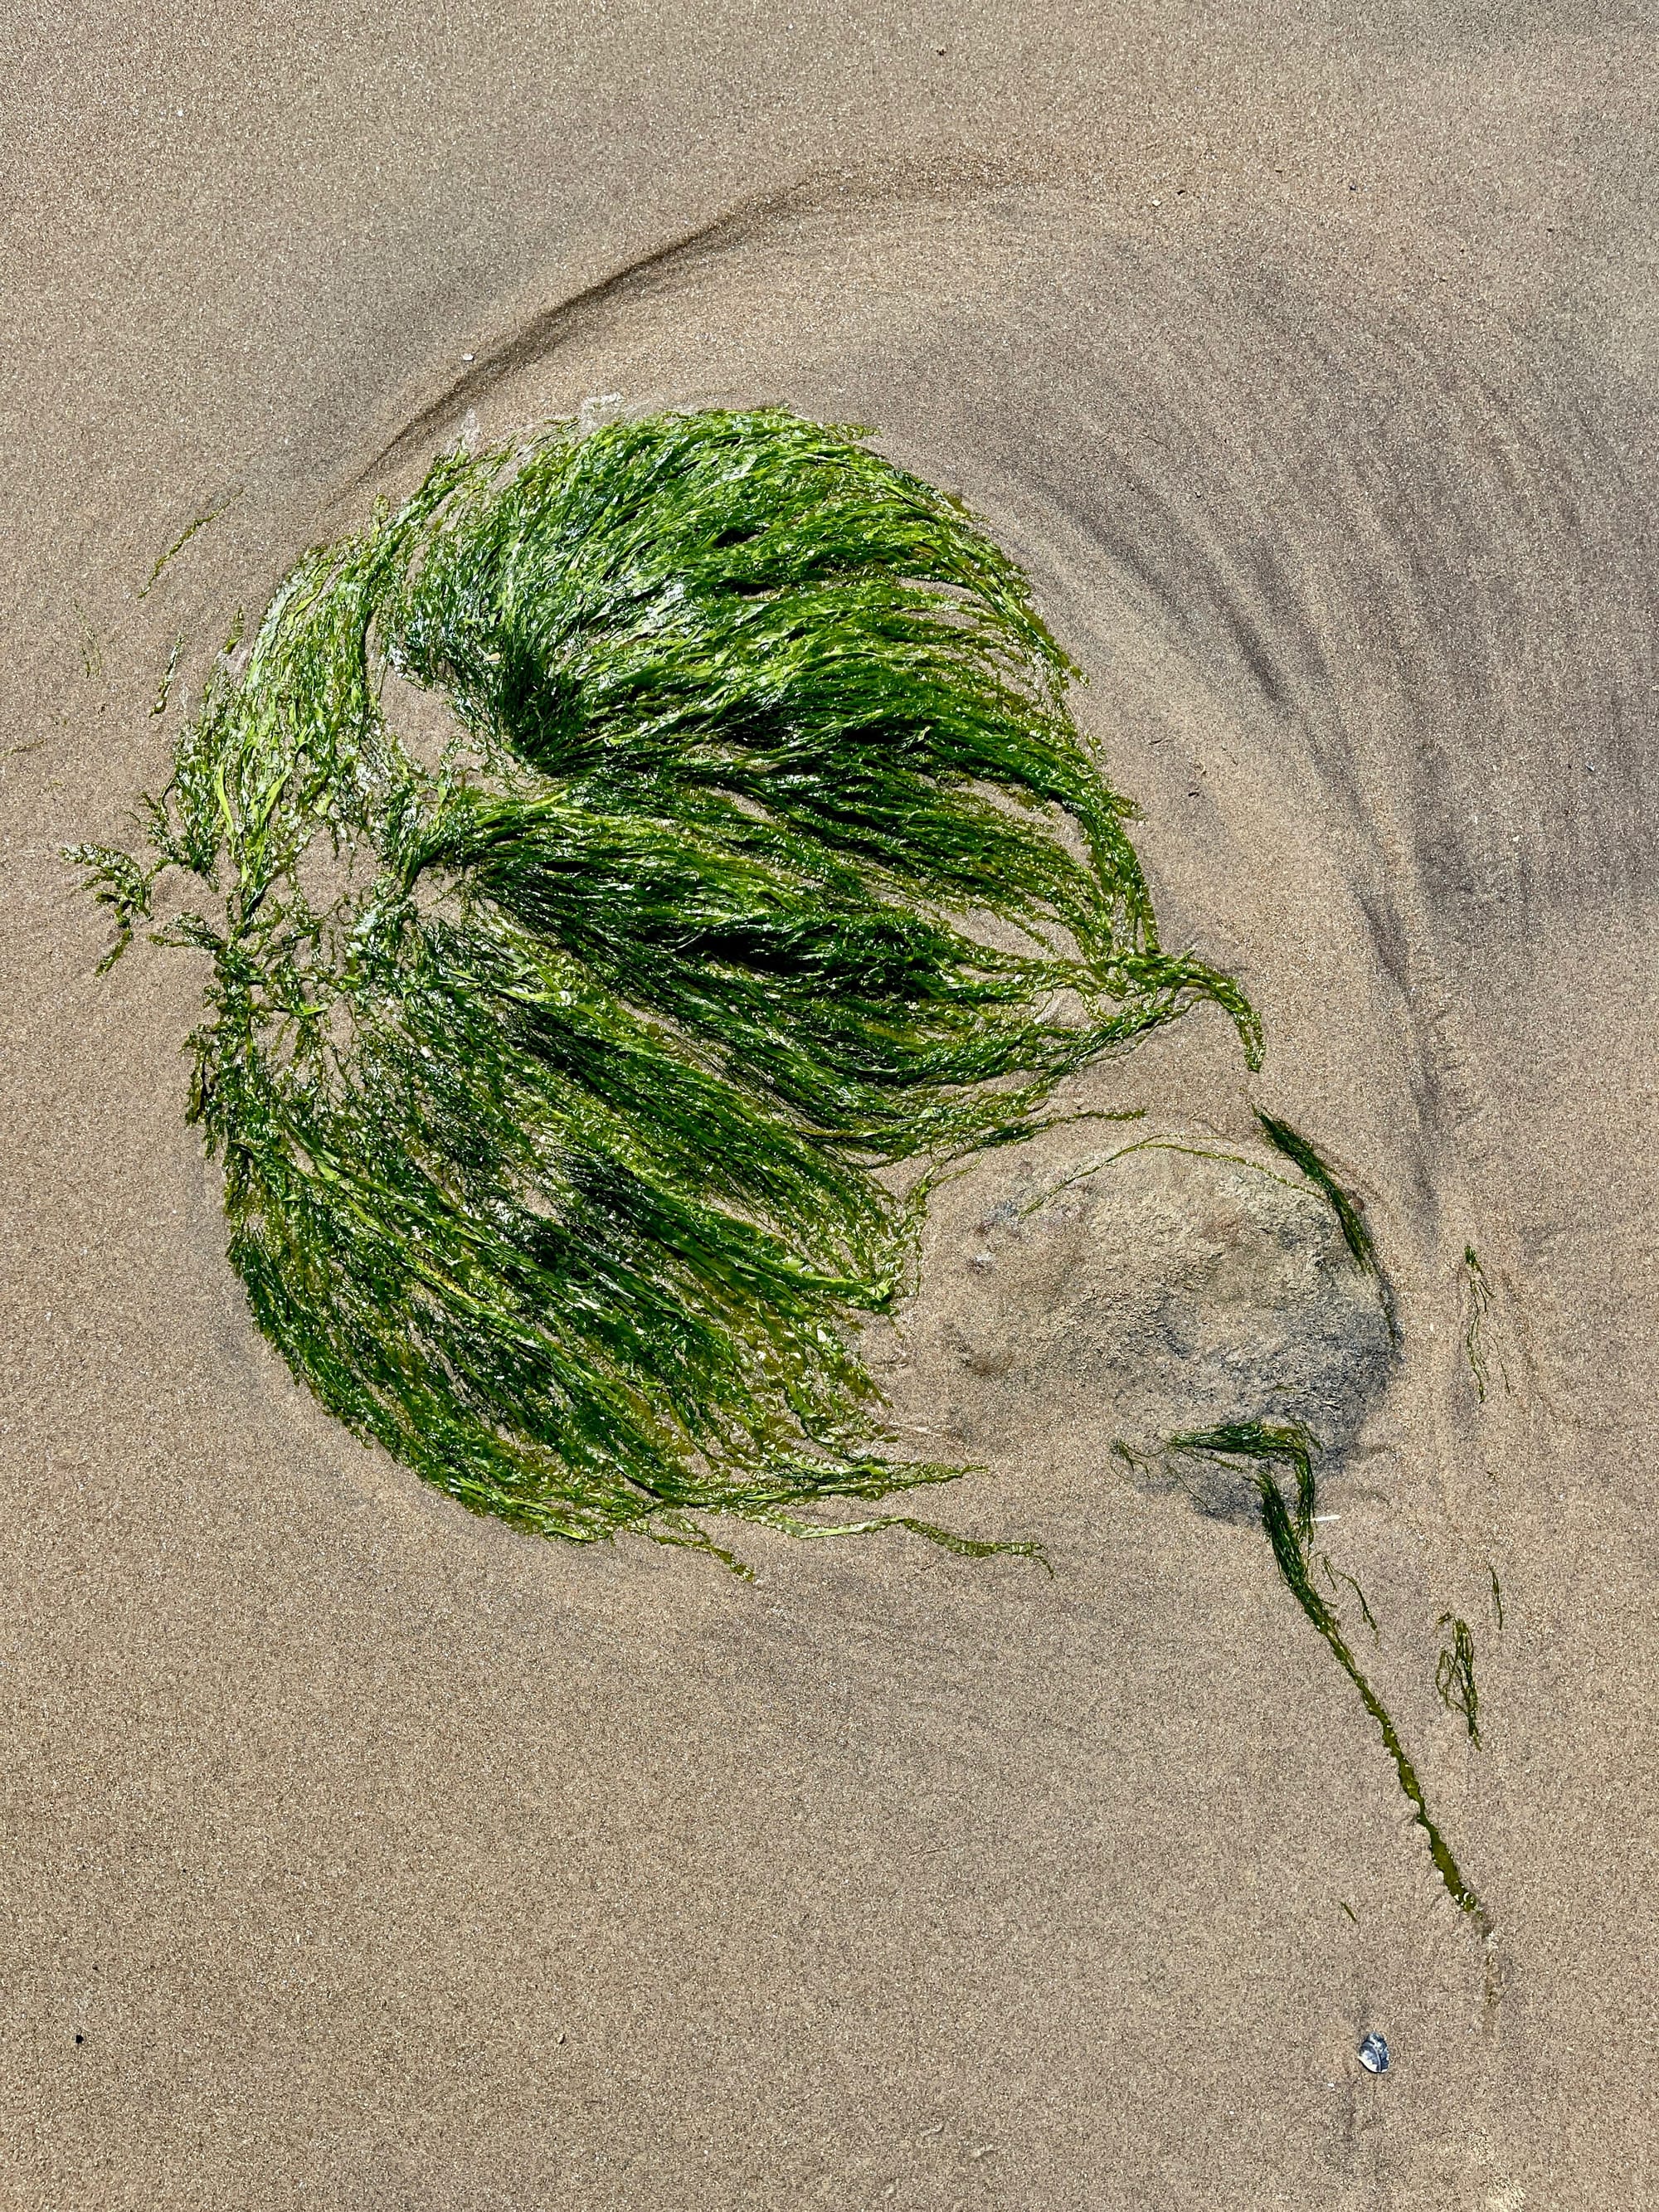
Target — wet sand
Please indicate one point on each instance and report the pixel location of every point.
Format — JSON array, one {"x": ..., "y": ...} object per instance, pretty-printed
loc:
[{"x": 361, "y": 1853}]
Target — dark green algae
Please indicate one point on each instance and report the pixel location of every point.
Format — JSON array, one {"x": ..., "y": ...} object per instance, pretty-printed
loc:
[
  {"x": 556, "y": 1125},
  {"x": 559, "y": 1106},
  {"x": 1288, "y": 1524},
  {"x": 1453, "y": 1676}
]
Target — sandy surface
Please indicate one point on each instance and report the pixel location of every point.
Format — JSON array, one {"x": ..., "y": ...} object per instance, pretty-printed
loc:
[{"x": 360, "y": 1854}]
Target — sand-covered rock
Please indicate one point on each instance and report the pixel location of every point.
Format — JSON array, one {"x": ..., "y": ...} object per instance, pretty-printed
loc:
[{"x": 1153, "y": 1285}]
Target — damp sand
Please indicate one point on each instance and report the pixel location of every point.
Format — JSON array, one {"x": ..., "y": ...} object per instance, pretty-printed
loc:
[{"x": 359, "y": 1853}]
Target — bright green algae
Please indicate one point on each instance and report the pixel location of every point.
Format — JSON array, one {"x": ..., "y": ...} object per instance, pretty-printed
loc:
[{"x": 552, "y": 1135}]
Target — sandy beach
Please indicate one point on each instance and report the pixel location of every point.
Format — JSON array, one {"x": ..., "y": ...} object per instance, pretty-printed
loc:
[{"x": 358, "y": 1852}]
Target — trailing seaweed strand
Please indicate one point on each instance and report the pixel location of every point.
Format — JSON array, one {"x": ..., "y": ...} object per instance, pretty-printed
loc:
[
  {"x": 1355, "y": 1234},
  {"x": 1289, "y": 1528},
  {"x": 1334, "y": 1575},
  {"x": 1453, "y": 1677},
  {"x": 164, "y": 689},
  {"x": 198, "y": 522},
  {"x": 1478, "y": 1305},
  {"x": 116, "y": 880},
  {"x": 553, "y": 1076}
]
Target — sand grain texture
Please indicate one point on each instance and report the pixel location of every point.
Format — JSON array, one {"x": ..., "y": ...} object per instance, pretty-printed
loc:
[{"x": 360, "y": 1854}]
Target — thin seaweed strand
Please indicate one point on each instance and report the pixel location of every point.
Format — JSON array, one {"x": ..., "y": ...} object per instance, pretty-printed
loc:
[{"x": 1289, "y": 1528}]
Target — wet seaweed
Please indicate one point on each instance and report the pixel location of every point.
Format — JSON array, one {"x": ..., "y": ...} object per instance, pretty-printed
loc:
[
  {"x": 1453, "y": 1676},
  {"x": 1288, "y": 1525},
  {"x": 558, "y": 1082},
  {"x": 1355, "y": 1233},
  {"x": 171, "y": 552},
  {"x": 164, "y": 689},
  {"x": 117, "y": 881},
  {"x": 1334, "y": 1575},
  {"x": 1478, "y": 1305},
  {"x": 1264, "y": 1444},
  {"x": 1497, "y": 1596}
]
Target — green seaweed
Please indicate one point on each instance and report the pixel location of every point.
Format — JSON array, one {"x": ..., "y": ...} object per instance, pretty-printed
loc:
[
  {"x": 1263, "y": 1443},
  {"x": 1454, "y": 1676},
  {"x": 1478, "y": 1305},
  {"x": 1496, "y": 1595},
  {"x": 163, "y": 690},
  {"x": 198, "y": 522},
  {"x": 116, "y": 880},
  {"x": 1183, "y": 1145},
  {"x": 1289, "y": 1528},
  {"x": 579, "y": 1091},
  {"x": 1334, "y": 1575},
  {"x": 1355, "y": 1234}
]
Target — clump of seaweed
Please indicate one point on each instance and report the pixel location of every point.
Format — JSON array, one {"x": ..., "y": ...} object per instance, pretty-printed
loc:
[
  {"x": 554, "y": 1129},
  {"x": 1289, "y": 1525}
]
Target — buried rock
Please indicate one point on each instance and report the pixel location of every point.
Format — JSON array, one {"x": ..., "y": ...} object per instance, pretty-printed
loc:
[{"x": 1141, "y": 1291}]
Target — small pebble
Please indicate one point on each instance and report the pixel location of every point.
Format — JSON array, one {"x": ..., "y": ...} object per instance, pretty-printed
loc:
[{"x": 1374, "y": 2054}]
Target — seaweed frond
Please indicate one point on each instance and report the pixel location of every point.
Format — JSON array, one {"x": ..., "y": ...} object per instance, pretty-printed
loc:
[
  {"x": 1356, "y": 1235},
  {"x": 1479, "y": 1300},
  {"x": 116, "y": 880},
  {"x": 1288, "y": 1528},
  {"x": 171, "y": 552},
  {"x": 1334, "y": 1575},
  {"x": 164, "y": 689},
  {"x": 1264, "y": 1444},
  {"x": 553, "y": 1076},
  {"x": 1453, "y": 1677}
]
